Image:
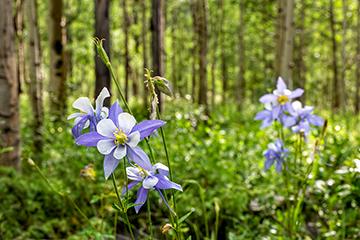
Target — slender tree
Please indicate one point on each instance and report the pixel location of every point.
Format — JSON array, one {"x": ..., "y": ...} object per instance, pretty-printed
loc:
[
  {"x": 102, "y": 31},
  {"x": 9, "y": 91},
  {"x": 224, "y": 65},
  {"x": 240, "y": 86},
  {"x": 19, "y": 25},
  {"x": 137, "y": 39},
  {"x": 57, "y": 60},
  {"x": 357, "y": 90},
  {"x": 144, "y": 27},
  {"x": 195, "y": 23},
  {"x": 336, "y": 88},
  {"x": 157, "y": 40},
  {"x": 35, "y": 76},
  {"x": 343, "y": 53},
  {"x": 126, "y": 25},
  {"x": 214, "y": 28},
  {"x": 300, "y": 47},
  {"x": 202, "y": 48}
]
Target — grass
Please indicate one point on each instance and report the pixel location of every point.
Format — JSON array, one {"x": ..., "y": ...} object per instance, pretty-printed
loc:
[{"x": 220, "y": 166}]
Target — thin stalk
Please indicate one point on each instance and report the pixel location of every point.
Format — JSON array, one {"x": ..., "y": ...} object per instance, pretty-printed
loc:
[
  {"x": 162, "y": 133},
  {"x": 115, "y": 224},
  {"x": 149, "y": 220},
  {"x": 124, "y": 211}
]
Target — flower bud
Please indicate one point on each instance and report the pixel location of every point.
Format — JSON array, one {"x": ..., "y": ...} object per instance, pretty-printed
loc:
[
  {"x": 101, "y": 51},
  {"x": 165, "y": 229},
  {"x": 163, "y": 85}
]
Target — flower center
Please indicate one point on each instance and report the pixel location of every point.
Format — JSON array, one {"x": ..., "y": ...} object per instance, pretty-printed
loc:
[
  {"x": 283, "y": 99},
  {"x": 120, "y": 137},
  {"x": 143, "y": 172}
]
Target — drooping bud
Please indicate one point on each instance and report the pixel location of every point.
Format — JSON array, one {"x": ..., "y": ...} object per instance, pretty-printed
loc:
[
  {"x": 163, "y": 85},
  {"x": 101, "y": 51}
]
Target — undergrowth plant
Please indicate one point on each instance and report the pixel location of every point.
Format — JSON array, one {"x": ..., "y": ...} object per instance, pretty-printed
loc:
[{"x": 293, "y": 124}]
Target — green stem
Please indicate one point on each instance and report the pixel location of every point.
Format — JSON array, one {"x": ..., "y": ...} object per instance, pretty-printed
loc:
[
  {"x": 149, "y": 219},
  {"x": 115, "y": 224},
  {"x": 124, "y": 211}
]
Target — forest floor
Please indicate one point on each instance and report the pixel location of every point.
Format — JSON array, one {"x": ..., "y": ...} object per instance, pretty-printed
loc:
[{"x": 220, "y": 160}]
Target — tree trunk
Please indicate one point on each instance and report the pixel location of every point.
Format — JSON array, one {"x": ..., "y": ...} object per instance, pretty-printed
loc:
[
  {"x": 135, "y": 71},
  {"x": 202, "y": 43},
  {"x": 144, "y": 29},
  {"x": 357, "y": 91},
  {"x": 102, "y": 31},
  {"x": 174, "y": 53},
  {"x": 157, "y": 41},
  {"x": 126, "y": 23},
  {"x": 224, "y": 67},
  {"x": 286, "y": 53},
  {"x": 343, "y": 54},
  {"x": 57, "y": 61},
  {"x": 19, "y": 27},
  {"x": 279, "y": 36},
  {"x": 35, "y": 86},
  {"x": 240, "y": 89},
  {"x": 9, "y": 92},
  {"x": 215, "y": 32},
  {"x": 300, "y": 51},
  {"x": 195, "y": 47},
  {"x": 336, "y": 90}
]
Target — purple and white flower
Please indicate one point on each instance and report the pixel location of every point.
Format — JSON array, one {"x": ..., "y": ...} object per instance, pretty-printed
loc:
[
  {"x": 118, "y": 136},
  {"x": 150, "y": 177},
  {"x": 304, "y": 118},
  {"x": 276, "y": 153},
  {"x": 88, "y": 116},
  {"x": 280, "y": 100}
]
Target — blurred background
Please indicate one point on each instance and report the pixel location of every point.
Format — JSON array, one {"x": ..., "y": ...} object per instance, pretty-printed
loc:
[{"x": 220, "y": 56}]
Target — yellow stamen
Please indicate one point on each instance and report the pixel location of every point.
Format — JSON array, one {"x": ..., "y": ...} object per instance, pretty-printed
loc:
[
  {"x": 120, "y": 137},
  {"x": 283, "y": 99}
]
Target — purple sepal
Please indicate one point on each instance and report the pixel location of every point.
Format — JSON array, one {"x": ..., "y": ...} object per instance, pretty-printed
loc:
[
  {"x": 147, "y": 127},
  {"x": 89, "y": 139}
]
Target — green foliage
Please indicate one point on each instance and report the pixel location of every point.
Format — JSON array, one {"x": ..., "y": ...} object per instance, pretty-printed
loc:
[{"x": 220, "y": 165}]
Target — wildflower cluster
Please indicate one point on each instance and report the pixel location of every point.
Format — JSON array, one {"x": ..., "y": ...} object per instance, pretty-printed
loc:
[
  {"x": 280, "y": 107},
  {"x": 117, "y": 135}
]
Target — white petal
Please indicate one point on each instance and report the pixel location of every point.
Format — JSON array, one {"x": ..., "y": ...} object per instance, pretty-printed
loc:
[
  {"x": 74, "y": 115},
  {"x": 126, "y": 122},
  {"x": 133, "y": 139},
  {"x": 149, "y": 182},
  {"x": 296, "y": 105},
  {"x": 287, "y": 92},
  {"x": 106, "y": 146},
  {"x": 161, "y": 166},
  {"x": 100, "y": 99},
  {"x": 163, "y": 170},
  {"x": 133, "y": 173},
  {"x": 104, "y": 113},
  {"x": 84, "y": 105},
  {"x": 107, "y": 128},
  {"x": 120, "y": 152}
]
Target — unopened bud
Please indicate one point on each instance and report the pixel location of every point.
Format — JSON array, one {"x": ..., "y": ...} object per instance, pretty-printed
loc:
[
  {"x": 31, "y": 162},
  {"x": 101, "y": 51},
  {"x": 163, "y": 85},
  {"x": 165, "y": 229}
]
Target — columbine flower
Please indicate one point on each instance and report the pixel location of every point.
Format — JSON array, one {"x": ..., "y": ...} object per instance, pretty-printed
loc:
[
  {"x": 88, "y": 116},
  {"x": 118, "y": 136},
  {"x": 303, "y": 118},
  {"x": 280, "y": 99},
  {"x": 275, "y": 153},
  {"x": 267, "y": 116},
  {"x": 151, "y": 177}
]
